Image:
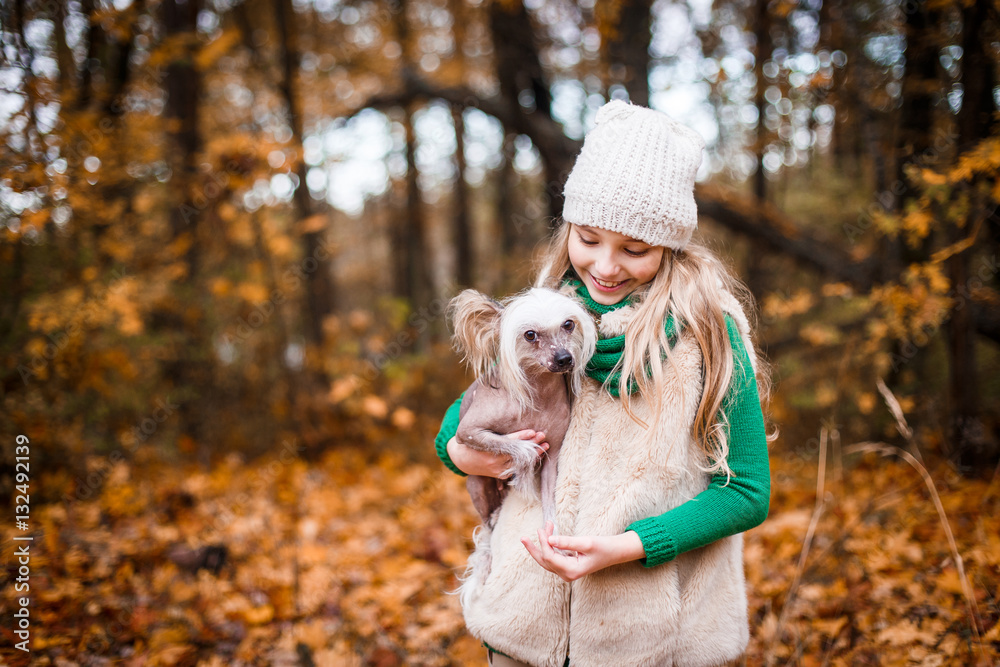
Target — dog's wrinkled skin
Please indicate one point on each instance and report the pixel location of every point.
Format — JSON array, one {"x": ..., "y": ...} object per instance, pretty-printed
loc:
[{"x": 540, "y": 341}]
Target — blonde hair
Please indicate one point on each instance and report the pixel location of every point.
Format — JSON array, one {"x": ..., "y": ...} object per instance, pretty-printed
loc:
[{"x": 692, "y": 284}]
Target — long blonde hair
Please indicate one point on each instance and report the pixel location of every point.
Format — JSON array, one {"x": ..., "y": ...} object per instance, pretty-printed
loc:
[{"x": 691, "y": 283}]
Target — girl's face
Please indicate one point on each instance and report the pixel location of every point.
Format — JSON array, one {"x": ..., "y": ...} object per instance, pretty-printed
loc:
[{"x": 610, "y": 264}]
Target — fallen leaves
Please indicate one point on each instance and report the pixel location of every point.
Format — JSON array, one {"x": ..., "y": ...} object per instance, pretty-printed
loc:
[
  {"x": 879, "y": 585},
  {"x": 350, "y": 561}
]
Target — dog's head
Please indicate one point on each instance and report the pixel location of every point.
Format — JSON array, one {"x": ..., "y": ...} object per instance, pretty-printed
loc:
[{"x": 536, "y": 331}]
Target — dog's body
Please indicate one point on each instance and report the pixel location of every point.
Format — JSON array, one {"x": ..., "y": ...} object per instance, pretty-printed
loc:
[
  {"x": 529, "y": 355},
  {"x": 487, "y": 413}
]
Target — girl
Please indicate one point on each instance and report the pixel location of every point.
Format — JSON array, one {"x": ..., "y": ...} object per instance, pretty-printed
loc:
[{"x": 665, "y": 461}]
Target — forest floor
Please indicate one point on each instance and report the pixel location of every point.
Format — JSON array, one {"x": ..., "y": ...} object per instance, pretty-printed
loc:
[{"x": 349, "y": 560}]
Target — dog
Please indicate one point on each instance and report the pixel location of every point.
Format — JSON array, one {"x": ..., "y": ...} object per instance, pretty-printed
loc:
[{"x": 529, "y": 355}]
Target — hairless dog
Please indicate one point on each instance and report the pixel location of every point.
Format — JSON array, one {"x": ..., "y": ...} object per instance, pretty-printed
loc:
[{"x": 529, "y": 355}]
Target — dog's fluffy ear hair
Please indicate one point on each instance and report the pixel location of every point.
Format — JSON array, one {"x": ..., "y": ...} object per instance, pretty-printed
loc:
[{"x": 475, "y": 319}]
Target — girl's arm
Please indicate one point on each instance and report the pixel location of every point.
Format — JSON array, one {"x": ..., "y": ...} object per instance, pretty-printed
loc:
[
  {"x": 723, "y": 509},
  {"x": 449, "y": 427},
  {"x": 465, "y": 461}
]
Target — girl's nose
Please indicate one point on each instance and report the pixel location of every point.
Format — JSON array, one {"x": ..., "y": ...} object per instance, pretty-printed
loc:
[{"x": 606, "y": 265}]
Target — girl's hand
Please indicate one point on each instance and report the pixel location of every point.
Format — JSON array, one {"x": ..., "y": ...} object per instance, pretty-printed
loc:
[
  {"x": 474, "y": 462},
  {"x": 591, "y": 553}
]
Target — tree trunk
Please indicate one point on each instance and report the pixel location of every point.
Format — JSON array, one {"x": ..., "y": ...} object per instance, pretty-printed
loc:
[
  {"x": 188, "y": 371},
  {"x": 320, "y": 290},
  {"x": 967, "y": 432},
  {"x": 416, "y": 285},
  {"x": 25, "y": 59},
  {"x": 978, "y": 78},
  {"x": 921, "y": 91},
  {"x": 183, "y": 86},
  {"x": 524, "y": 89},
  {"x": 64, "y": 57},
  {"x": 409, "y": 244},
  {"x": 915, "y": 120},
  {"x": 462, "y": 232},
  {"x": 461, "y": 220},
  {"x": 282, "y": 333},
  {"x": 629, "y": 49},
  {"x": 754, "y": 273},
  {"x": 118, "y": 69},
  {"x": 397, "y": 225},
  {"x": 837, "y": 32},
  {"x": 116, "y": 188},
  {"x": 18, "y": 286},
  {"x": 95, "y": 40},
  {"x": 762, "y": 32},
  {"x": 505, "y": 202}
]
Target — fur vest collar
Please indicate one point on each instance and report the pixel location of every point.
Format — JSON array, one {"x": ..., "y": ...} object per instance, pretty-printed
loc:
[{"x": 691, "y": 611}]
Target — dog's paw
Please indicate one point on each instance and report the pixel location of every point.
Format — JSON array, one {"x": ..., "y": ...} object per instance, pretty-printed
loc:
[{"x": 524, "y": 459}]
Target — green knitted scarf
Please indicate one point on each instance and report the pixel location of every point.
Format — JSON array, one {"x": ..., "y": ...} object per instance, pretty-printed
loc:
[{"x": 610, "y": 350}]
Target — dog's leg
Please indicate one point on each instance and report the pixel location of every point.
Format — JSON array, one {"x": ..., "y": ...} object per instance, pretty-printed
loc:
[
  {"x": 549, "y": 471},
  {"x": 523, "y": 453},
  {"x": 487, "y": 495}
]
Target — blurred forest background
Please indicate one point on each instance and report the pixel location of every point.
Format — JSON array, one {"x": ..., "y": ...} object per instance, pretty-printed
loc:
[{"x": 229, "y": 230}]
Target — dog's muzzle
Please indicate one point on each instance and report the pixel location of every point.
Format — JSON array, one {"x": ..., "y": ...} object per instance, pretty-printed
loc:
[{"x": 562, "y": 361}]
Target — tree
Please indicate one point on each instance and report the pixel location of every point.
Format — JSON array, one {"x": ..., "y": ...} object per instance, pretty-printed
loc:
[
  {"x": 320, "y": 289},
  {"x": 188, "y": 368}
]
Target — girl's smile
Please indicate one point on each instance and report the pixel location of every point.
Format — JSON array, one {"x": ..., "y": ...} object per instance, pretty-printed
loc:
[{"x": 610, "y": 264}]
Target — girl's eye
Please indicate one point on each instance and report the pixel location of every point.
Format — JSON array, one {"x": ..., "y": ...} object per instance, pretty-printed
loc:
[
  {"x": 569, "y": 325},
  {"x": 630, "y": 253},
  {"x": 530, "y": 336}
]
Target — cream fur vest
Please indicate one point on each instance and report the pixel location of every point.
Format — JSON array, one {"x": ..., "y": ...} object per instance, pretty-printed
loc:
[{"x": 691, "y": 611}]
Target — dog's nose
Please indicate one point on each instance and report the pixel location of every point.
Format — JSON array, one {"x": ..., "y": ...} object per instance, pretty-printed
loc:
[{"x": 563, "y": 359}]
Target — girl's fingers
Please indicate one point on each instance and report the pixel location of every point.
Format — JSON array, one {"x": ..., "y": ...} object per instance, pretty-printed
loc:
[
  {"x": 543, "y": 552},
  {"x": 566, "y": 546},
  {"x": 566, "y": 568},
  {"x": 569, "y": 543},
  {"x": 530, "y": 547},
  {"x": 544, "y": 543},
  {"x": 543, "y": 539},
  {"x": 536, "y": 553}
]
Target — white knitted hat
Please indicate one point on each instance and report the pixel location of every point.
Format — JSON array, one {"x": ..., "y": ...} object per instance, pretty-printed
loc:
[{"x": 635, "y": 175}]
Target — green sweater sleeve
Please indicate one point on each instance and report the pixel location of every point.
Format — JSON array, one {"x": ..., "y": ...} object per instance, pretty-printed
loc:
[
  {"x": 722, "y": 509},
  {"x": 449, "y": 427}
]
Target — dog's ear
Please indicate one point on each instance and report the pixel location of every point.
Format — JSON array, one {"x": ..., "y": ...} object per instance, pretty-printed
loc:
[{"x": 475, "y": 320}]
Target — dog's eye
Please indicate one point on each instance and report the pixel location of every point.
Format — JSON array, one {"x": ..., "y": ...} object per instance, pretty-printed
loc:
[
  {"x": 569, "y": 325},
  {"x": 530, "y": 336}
]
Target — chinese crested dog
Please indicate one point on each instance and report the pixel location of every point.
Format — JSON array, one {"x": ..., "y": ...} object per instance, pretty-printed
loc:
[{"x": 529, "y": 355}]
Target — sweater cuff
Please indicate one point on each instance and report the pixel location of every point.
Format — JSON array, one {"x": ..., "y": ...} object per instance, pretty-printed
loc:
[
  {"x": 441, "y": 445},
  {"x": 657, "y": 542},
  {"x": 449, "y": 426}
]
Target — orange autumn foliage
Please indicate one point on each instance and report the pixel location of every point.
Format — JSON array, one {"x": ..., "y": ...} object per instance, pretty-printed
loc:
[{"x": 350, "y": 560}]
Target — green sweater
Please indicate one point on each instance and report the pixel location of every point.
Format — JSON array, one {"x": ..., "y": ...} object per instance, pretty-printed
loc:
[{"x": 720, "y": 510}]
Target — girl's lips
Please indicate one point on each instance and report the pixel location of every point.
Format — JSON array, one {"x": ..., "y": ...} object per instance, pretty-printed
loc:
[{"x": 602, "y": 288}]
